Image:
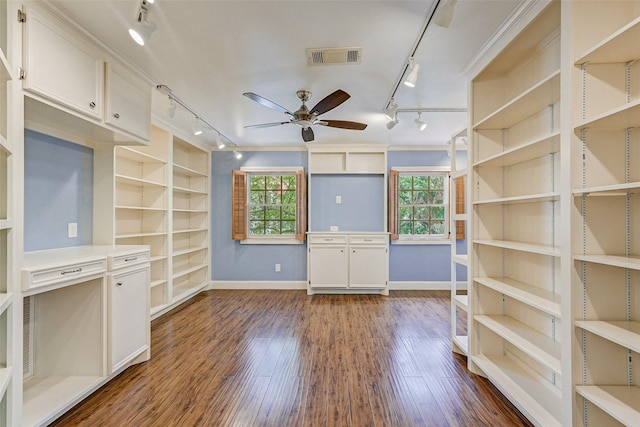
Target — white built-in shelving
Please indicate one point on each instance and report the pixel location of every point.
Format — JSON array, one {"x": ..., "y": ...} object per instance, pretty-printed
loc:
[
  {"x": 605, "y": 187},
  {"x": 515, "y": 300},
  {"x": 459, "y": 220}
]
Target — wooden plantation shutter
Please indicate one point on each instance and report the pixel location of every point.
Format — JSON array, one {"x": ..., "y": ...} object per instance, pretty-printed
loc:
[
  {"x": 460, "y": 207},
  {"x": 393, "y": 204},
  {"x": 239, "y": 205},
  {"x": 301, "y": 205}
]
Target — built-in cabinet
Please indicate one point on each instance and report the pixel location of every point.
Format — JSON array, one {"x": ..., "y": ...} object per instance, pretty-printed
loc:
[
  {"x": 86, "y": 318},
  {"x": 62, "y": 67},
  {"x": 459, "y": 220},
  {"x": 348, "y": 261},
  {"x": 158, "y": 195}
]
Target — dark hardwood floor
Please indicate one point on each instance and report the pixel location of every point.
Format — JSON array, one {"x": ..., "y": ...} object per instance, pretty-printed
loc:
[{"x": 282, "y": 358}]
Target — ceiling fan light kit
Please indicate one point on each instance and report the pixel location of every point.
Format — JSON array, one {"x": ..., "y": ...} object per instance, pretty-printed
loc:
[
  {"x": 304, "y": 117},
  {"x": 141, "y": 31}
]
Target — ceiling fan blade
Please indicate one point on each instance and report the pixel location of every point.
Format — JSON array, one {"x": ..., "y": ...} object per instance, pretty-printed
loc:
[
  {"x": 330, "y": 102},
  {"x": 267, "y": 103},
  {"x": 307, "y": 134},
  {"x": 342, "y": 124},
  {"x": 266, "y": 125}
]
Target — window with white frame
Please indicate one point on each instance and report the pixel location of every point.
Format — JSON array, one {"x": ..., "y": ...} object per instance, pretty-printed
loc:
[{"x": 419, "y": 205}]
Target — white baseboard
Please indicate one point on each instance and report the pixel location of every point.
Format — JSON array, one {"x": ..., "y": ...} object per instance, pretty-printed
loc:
[
  {"x": 258, "y": 284},
  {"x": 420, "y": 286}
]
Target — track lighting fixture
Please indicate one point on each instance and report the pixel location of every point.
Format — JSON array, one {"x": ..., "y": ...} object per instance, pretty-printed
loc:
[
  {"x": 421, "y": 125},
  {"x": 219, "y": 142},
  {"x": 171, "y": 109},
  {"x": 197, "y": 129},
  {"x": 393, "y": 122},
  {"x": 391, "y": 111},
  {"x": 199, "y": 122},
  {"x": 412, "y": 78},
  {"x": 141, "y": 31}
]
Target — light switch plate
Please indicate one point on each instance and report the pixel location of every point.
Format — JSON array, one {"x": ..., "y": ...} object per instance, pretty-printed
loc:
[
  {"x": 72, "y": 230},
  {"x": 338, "y": 199},
  {"x": 333, "y": 228}
]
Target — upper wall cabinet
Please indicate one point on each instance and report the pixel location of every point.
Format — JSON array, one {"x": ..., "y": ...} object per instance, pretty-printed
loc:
[{"x": 69, "y": 78}]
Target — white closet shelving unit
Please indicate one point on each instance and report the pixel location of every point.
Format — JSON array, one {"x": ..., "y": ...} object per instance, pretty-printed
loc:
[
  {"x": 459, "y": 219},
  {"x": 190, "y": 219},
  {"x": 8, "y": 285},
  {"x": 515, "y": 299},
  {"x": 606, "y": 211},
  {"x": 142, "y": 207}
]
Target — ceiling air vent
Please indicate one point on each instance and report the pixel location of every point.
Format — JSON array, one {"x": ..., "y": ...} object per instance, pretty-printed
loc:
[{"x": 334, "y": 55}]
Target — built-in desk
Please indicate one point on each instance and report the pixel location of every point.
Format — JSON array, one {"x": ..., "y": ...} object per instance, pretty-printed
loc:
[{"x": 86, "y": 318}]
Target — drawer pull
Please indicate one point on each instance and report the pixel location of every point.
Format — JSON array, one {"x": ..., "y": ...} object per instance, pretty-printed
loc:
[
  {"x": 130, "y": 259},
  {"x": 328, "y": 239},
  {"x": 368, "y": 240},
  {"x": 116, "y": 115},
  {"x": 77, "y": 270},
  {"x": 92, "y": 104},
  {"x": 118, "y": 283}
]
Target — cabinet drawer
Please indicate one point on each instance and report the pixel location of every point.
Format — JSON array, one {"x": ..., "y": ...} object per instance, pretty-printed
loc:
[
  {"x": 327, "y": 240},
  {"x": 59, "y": 274},
  {"x": 368, "y": 240},
  {"x": 115, "y": 262}
]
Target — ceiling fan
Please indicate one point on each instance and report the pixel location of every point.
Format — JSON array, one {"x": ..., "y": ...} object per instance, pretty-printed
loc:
[{"x": 305, "y": 117}]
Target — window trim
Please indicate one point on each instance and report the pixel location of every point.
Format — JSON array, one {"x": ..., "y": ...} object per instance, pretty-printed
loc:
[
  {"x": 301, "y": 203},
  {"x": 394, "y": 175}
]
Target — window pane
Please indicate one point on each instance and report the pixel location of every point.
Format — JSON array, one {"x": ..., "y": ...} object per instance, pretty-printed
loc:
[
  {"x": 256, "y": 227},
  {"x": 405, "y": 197},
  {"x": 405, "y": 213},
  {"x": 273, "y": 197},
  {"x": 274, "y": 182},
  {"x": 437, "y": 212},
  {"x": 421, "y": 227},
  {"x": 273, "y": 227},
  {"x": 273, "y": 213},
  {"x": 436, "y": 197},
  {"x": 421, "y": 213},
  {"x": 419, "y": 197},
  {"x": 437, "y": 227},
  {"x": 437, "y": 182},
  {"x": 257, "y": 182},
  {"x": 406, "y": 227},
  {"x": 288, "y": 182},
  {"x": 257, "y": 197},
  {"x": 421, "y": 182},
  {"x": 288, "y": 197},
  {"x": 256, "y": 213},
  {"x": 288, "y": 227},
  {"x": 289, "y": 213},
  {"x": 405, "y": 182}
]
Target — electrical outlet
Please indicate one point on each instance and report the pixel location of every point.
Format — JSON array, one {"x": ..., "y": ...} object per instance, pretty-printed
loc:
[
  {"x": 72, "y": 230},
  {"x": 333, "y": 228},
  {"x": 277, "y": 268}
]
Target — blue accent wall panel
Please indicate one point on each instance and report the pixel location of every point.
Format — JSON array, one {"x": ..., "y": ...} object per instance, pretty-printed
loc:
[
  {"x": 229, "y": 259},
  {"x": 58, "y": 189},
  {"x": 362, "y": 206}
]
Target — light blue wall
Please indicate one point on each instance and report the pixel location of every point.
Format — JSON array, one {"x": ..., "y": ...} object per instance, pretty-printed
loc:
[
  {"x": 229, "y": 259},
  {"x": 58, "y": 189},
  {"x": 409, "y": 263},
  {"x": 361, "y": 206}
]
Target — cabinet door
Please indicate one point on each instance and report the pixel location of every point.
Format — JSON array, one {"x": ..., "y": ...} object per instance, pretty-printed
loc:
[
  {"x": 61, "y": 64},
  {"x": 129, "y": 315},
  {"x": 368, "y": 267},
  {"x": 127, "y": 103},
  {"x": 328, "y": 267}
]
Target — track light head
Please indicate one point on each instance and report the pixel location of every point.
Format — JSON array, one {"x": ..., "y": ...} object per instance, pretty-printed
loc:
[
  {"x": 392, "y": 110},
  {"x": 197, "y": 129},
  {"x": 391, "y": 124},
  {"x": 171, "y": 109},
  {"x": 412, "y": 78},
  {"x": 421, "y": 125},
  {"x": 237, "y": 154},
  {"x": 219, "y": 142},
  {"x": 141, "y": 31}
]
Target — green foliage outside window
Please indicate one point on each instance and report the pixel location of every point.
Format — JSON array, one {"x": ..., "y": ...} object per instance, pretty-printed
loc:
[
  {"x": 272, "y": 205},
  {"x": 421, "y": 205}
]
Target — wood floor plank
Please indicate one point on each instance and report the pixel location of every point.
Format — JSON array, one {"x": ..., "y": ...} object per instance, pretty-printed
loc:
[{"x": 283, "y": 358}]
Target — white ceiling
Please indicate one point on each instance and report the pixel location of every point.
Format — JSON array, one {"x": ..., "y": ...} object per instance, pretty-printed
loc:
[{"x": 211, "y": 51}]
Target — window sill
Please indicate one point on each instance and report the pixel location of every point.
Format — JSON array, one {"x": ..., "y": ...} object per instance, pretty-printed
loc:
[
  {"x": 271, "y": 241},
  {"x": 421, "y": 242}
]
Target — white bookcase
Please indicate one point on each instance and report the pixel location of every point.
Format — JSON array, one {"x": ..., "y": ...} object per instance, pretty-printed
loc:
[
  {"x": 605, "y": 143},
  {"x": 515, "y": 298},
  {"x": 459, "y": 219},
  {"x": 160, "y": 195}
]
